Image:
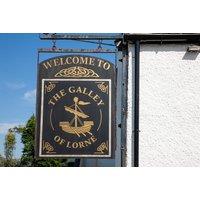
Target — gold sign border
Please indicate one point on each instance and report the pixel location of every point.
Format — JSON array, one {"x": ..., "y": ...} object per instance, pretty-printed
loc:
[{"x": 41, "y": 119}]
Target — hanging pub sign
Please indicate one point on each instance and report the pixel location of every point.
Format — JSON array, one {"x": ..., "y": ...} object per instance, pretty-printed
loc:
[{"x": 75, "y": 107}]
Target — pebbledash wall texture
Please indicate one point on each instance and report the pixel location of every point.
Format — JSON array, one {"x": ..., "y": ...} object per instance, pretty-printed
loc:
[{"x": 169, "y": 106}]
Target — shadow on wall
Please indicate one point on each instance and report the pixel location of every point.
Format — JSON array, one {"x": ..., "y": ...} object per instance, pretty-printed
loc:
[
  {"x": 171, "y": 47},
  {"x": 190, "y": 55}
]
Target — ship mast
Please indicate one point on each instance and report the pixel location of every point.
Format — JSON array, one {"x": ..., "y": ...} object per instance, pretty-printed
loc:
[{"x": 76, "y": 101}]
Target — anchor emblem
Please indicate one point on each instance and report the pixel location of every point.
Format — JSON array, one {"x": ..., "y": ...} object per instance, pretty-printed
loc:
[{"x": 76, "y": 125}]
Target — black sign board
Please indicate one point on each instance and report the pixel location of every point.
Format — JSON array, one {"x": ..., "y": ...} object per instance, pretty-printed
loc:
[{"x": 75, "y": 107}]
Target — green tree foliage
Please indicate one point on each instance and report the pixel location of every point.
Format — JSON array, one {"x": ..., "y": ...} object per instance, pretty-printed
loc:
[
  {"x": 9, "y": 147},
  {"x": 28, "y": 139},
  {"x": 1, "y": 161}
]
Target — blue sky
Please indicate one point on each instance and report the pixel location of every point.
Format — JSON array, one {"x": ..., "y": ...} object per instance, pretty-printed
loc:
[{"x": 18, "y": 69}]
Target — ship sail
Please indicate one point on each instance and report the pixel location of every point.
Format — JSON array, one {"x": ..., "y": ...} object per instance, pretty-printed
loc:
[{"x": 76, "y": 112}]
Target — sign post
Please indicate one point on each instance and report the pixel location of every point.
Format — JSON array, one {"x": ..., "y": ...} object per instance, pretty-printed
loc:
[{"x": 75, "y": 107}]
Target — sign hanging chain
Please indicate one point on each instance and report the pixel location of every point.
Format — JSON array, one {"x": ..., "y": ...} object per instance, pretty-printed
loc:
[
  {"x": 54, "y": 45},
  {"x": 100, "y": 43}
]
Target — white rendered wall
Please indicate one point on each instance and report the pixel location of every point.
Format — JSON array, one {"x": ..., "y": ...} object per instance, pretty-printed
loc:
[{"x": 169, "y": 106}]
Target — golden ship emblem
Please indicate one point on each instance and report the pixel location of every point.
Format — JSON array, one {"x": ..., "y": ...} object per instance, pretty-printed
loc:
[{"x": 76, "y": 125}]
